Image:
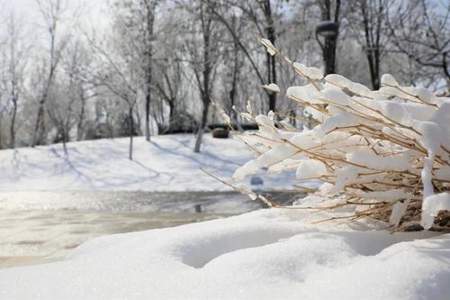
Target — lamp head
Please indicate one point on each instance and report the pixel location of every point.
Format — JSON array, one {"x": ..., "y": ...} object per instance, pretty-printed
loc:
[{"x": 328, "y": 29}]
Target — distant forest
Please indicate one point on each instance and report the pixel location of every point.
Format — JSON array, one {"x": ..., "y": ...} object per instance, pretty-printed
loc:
[{"x": 169, "y": 66}]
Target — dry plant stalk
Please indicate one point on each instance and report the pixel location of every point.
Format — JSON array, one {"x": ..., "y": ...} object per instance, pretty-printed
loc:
[{"x": 383, "y": 152}]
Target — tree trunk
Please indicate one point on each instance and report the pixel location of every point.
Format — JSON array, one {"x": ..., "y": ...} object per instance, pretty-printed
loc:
[
  {"x": 80, "y": 125},
  {"x": 171, "y": 113},
  {"x": 12, "y": 129},
  {"x": 234, "y": 82},
  {"x": 372, "y": 37},
  {"x": 205, "y": 84},
  {"x": 374, "y": 69},
  {"x": 203, "y": 122},
  {"x": 271, "y": 63},
  {"x": 147, "y": 114},
  {"x": 150, "y": 7},
  {"x": 131, "y": 132},
  {"x": 64, "y": 140},
  {"x": 39, "y": 128}
]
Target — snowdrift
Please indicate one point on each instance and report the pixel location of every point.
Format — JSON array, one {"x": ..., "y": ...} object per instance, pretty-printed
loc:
[
  {"x": 267, "y": 254},
  {"x": 166, "y": 164}
]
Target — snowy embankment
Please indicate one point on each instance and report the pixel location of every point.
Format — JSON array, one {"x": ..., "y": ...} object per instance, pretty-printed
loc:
[
  {"x": 267, "y": 254},
  {"x": 166, "y": 164}
]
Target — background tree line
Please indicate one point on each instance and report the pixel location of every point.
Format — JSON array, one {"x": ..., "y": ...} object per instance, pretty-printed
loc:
[{"x": 169, "y": 66}]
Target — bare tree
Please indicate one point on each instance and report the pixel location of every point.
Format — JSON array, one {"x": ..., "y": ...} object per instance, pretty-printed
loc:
[
  {"x": 15, "y": 57},
  {"x": 266, "y": 7},
  {"x": 51, "y": 12},
  {"x": 169, "y": 86},
  {"x": 137, "y": 21},
  {"x": 119, "y": 74},
  {"x": 235, "y": 69},
  {"x": 66, "y": 107},
  {"x": 261, "y": 14},
  {"x": 203, "y": 51},
  {"x": 369, "y": 22},
  {"x": 420, "y": 29},
  {"x": 77, "y": 66},
  {"x": 148, "y": 10}
]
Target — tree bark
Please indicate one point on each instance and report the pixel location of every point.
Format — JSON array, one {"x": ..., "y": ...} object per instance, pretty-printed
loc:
[
  {"x": 149, "y": 18},
  {"x": 205, "y": 82},
  {"x": 147, "y": 116},
  {"x": 80, "y": 125},
  {"x": 372, "y": 33},
  {"x": 201, "y": 130},
  {"x": 271, "y": 63},
  {"x": 131, "y": 132},
  {"x": 39, "y": 128},
  {"x": 64, "y": 140},
  {"x": 12, "y": 128}
]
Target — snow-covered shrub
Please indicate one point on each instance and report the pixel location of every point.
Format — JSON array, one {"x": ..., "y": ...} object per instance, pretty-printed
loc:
[{"x": 385, "y": 152}]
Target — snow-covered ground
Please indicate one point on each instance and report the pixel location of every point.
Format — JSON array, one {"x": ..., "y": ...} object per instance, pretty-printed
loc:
[
  {"x": 166, "y": 164},
  {"x": 267, "y": 254}
]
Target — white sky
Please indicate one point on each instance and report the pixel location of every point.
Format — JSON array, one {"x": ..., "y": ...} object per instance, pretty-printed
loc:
[{"x": 93, "y": 12}]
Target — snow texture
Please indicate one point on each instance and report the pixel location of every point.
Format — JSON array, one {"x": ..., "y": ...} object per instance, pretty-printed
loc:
[
  {"x": 267, "y": 254},
  {"x": 272, "y": 87},
  {"x": 168, "y": 163},
  {"x": 310, "y": 72},
  {"x": 385, "y": 139}
]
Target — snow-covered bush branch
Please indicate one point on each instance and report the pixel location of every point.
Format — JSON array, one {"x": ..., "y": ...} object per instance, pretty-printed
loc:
[{"x": 386, "y": 152}]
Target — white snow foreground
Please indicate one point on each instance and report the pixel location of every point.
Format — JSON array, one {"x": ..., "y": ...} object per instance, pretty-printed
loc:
[
  {"x": 168, "y": 163},
  {"x": 267, "y": 254}
]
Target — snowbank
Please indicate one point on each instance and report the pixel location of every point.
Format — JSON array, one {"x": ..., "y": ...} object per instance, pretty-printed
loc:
[
  {"x": 267, "y": 254},
  {"x": 166, "y": 164}
]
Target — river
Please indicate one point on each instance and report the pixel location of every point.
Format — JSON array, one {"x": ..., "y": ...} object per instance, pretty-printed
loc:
[{"x": 40, "y": 227}]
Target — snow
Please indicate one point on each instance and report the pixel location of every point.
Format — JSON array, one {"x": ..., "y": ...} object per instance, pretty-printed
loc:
[
  {"x": 336, "y": 96},
  {"x": 272, "y": 87},
  {"x": 310, "y": 72},
  {"x": 398, "y": 210},
  {"x": 342, "y": 82},
  {"x": 343, "y": 119},
  {"x": 389, "y": 80},
  {"x": 367, "y": 140},
  {"x": 267, "y": 254},
  {"x": 168, "y": 163},
  {"x": 269, "y": 46},
  {"x": 305, "y": 93},
  {"x": 368, "y": 158},
  {"x": 310, "y": 169},
  {"x": 431, "y": 207}
]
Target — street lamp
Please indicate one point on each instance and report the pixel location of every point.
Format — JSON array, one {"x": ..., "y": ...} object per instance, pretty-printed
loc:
[{"x": 329, "y": 30}]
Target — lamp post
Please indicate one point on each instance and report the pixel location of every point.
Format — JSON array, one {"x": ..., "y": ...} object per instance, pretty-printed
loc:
[{"x": 329, "y": 31}]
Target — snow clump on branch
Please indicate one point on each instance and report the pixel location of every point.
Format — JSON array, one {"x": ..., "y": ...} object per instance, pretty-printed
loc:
[{"x": 385, "y": 152}]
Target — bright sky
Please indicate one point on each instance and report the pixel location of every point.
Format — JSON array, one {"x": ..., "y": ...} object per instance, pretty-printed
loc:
[{"x": 93, "y": 12}]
